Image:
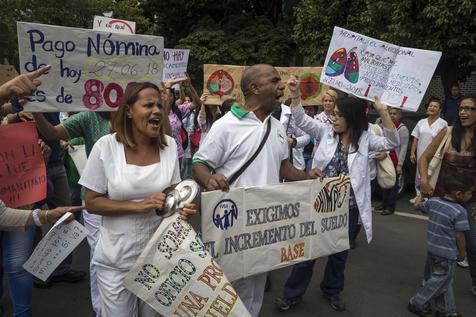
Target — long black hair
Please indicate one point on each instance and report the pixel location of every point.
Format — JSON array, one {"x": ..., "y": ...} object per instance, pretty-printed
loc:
[
  {"x": 175, "y": 109},
  {"x": 353, "y": 111},
  {"x": 458, "y": 131}
]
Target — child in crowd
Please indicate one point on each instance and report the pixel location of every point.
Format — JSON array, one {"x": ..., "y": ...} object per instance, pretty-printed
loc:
[{"x": 445, "y": 244}]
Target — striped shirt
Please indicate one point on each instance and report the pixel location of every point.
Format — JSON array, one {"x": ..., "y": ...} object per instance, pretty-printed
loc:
[{"x": 445, "y": 219}]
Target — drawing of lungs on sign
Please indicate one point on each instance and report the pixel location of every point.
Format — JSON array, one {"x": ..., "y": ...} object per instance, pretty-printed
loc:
[
  {"x": 351, "y": 72},
  {"x": 310, "y": 87},
  {"x": 337, "y": 62},
  {"x": 220, "y": 83}
]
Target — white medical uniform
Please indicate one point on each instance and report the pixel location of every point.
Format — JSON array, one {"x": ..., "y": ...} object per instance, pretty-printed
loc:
[
  {"x": 231, "y": 141},
  {"x": 122, "y": 238}
]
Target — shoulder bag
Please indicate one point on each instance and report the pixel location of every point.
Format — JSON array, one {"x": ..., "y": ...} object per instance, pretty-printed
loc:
[{"x": 434, "y": 166}]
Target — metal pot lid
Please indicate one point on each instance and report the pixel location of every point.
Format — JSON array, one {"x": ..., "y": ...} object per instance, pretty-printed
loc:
[{"x": 188, "y": 191}]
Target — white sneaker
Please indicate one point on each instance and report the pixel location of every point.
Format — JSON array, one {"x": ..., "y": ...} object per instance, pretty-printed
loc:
[
  {"x": 412, "y": 201},
  {"x": 463, "y": 264}
]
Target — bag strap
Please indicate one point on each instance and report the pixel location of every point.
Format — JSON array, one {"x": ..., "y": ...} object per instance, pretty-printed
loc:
[
  {"x": 444, "y": 145},
  {"x": 233, "y": 178}
]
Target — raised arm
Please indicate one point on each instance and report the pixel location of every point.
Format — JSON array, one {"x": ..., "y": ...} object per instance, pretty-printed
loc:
[
  {"x": 50, "y": 132},
  {"x": 424, "y": 160}
]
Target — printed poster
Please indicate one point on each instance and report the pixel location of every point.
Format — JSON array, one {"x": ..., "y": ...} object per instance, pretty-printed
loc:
[
  {"x": 366, "y": 67},
  {"x": 222, "y": 82},
  {"x": 258, "y": 229}
]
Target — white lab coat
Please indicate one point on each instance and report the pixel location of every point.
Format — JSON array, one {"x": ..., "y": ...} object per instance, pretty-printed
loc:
[
  {"x": 357, "y": 161},
  {"x": 302, "y": 138}
]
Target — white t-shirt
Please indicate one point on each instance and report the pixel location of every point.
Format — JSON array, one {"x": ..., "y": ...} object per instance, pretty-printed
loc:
[
  {"x": 234, "y": 138},
  {"x": 122, "y": 238},
  {"x": 426, "y": 133}
]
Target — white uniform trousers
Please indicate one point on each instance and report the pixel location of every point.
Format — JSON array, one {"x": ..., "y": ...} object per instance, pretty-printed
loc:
[
  {"x": 117, "y": 301},
  {"x": 251, "y": 292},
  {"x": 92, "y": 223}
]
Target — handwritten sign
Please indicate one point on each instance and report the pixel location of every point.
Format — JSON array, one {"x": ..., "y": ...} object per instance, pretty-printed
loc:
[
  {"x": 57, "y": 244},
  {"x": 222, "y": 82},
  {"x": 22, "y": 168},
  {"x": 367, "y": 67},
  {"x": 7, "y": 72},
  {"x": 176, "y": 276},
  {"x": 90, "y": 69},
  {"x": 175, "y": 62},
  {"x": 258, "y": 229},
  {"x": 106, "y": 24}
]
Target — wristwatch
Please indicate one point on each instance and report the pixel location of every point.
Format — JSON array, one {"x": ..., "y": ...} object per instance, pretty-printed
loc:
[{"x": 294, "y": 142}]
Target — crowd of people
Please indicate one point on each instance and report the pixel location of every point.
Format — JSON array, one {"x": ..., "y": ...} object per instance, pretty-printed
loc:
[{"x": 160, "y": 135}]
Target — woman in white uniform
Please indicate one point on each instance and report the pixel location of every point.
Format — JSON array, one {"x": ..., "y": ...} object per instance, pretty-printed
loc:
[
  {"x": 125, "y": 177},
  {"x": 423, "y": 133}
]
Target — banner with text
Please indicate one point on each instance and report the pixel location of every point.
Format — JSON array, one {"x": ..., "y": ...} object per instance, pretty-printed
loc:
[
  {"x": 176, "y": 276},
  {"x": 22, "y": 167},
  {"x": 223, "y": 81},
  {"x": 258, "y": 229},
  {"x": 367, "y": 67},
  {"x": 55, "y": 246},
  {"x": 175, "y": 63},
  {"x": 90, "y": 69}
]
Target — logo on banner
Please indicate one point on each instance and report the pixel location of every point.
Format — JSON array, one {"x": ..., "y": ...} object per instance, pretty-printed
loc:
[
  {"x": 330, "y": 198},
  {"x": 224, "y": 214}
]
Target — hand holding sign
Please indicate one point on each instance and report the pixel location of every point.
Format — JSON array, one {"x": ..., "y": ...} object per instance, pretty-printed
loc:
[{"x": 22, "y": 85}]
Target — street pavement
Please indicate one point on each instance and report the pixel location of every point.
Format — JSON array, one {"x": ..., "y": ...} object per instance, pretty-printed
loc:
[{"x": 380, "y": 277}]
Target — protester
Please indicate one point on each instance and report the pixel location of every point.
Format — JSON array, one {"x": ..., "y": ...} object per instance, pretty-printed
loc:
[
  {"x": 176, "y": 113},
  {"x": 125, "y": 177},
  {"x": 343, "y": 150},
  {"x": 328, "y": 103},
  {"x": 231, "y": 142},
  {"x": 297, "y": 139},
  {"x": 460, "y": 157},
  {"x": 451, "y": 105},
  {"x": 389, "y": 196},
  {"x": 308, "y": 151},
  {"x": 423, "y": 133},
  {"x": 448, "y": 222}
]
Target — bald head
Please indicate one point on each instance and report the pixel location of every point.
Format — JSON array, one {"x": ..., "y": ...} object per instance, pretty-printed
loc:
[{"x": 251, "y": 76}]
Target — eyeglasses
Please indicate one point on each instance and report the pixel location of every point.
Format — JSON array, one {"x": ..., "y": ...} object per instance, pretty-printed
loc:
[{"x": 467, "y": 109}]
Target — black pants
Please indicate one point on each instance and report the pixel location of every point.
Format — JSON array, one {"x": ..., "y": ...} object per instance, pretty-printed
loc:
[{"x": 389, "y": 197}]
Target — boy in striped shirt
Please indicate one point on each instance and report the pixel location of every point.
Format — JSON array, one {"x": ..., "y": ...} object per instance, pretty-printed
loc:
[{"x": 445, "y": 245}]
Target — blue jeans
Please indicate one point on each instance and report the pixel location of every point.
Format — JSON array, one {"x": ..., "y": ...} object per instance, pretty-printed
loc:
[
  {"x": 438, "y": 289},
  {"x": 16, "y": 248},
  {"x": 333, "y": 281}
]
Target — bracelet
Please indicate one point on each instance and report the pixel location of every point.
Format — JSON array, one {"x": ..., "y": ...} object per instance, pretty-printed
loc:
[
  {"x": 36, "y": 218},
  {"x": 46, "y": 216}
]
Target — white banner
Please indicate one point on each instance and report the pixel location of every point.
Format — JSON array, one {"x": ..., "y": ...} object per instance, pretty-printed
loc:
[
  {"x": 106, "y": 24},
  {"x": 258, "y": 229},
  {"x": 90, "y": 69},
  {"x": 367, "y": 67},
  {"x": 55, "y": 246},
  {"x": 176, "y": 276},
  {"x": 175, "y": 63}
]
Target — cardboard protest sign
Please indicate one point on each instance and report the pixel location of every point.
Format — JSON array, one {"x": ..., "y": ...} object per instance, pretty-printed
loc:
[
  {"x": 367, "y": 67},
  {"x": 7, "y": 72},
  {"x": 176, "y": 276},
  {"x": 22, "y": 167},
  {"x": 258, "y": 229},
  {"x": 223, "y": 81},
  {"x": 106, "y": 24},
  {"x": 55, "y": 246},
  {"x": 90, "y": 69},
  {"x": 175, "y": 62}
]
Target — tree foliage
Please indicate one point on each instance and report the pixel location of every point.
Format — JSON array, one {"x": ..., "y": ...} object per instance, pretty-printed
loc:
[{"x": 443, "y": 25}]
